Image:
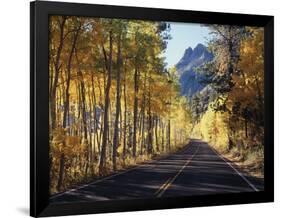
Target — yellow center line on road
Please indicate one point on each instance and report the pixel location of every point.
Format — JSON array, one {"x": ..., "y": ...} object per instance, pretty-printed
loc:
[
  {"x": 169, "y": 182},
  {"x": 163, "y": 186}
]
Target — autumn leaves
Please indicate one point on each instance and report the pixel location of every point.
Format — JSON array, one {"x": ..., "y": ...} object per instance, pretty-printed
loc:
[
  {"x": 234, "y": 119},
  {"x": 112, "y": 102}
]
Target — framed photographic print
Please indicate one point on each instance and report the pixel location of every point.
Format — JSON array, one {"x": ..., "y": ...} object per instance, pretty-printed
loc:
[{"x": 140, "y": 109}]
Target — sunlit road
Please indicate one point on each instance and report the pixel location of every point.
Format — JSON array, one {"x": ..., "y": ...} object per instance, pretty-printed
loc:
[{"x": 196, "y": 170}]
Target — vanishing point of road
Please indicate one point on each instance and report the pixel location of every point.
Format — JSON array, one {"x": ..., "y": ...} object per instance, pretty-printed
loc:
[{"x": 196, "y": 170}]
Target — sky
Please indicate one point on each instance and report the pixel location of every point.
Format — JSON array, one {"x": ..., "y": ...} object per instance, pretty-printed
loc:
[{"x": 184, "y": 35}]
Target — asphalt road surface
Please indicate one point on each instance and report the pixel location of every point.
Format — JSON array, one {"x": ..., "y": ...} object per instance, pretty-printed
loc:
[{"x": 196, "y": 170}]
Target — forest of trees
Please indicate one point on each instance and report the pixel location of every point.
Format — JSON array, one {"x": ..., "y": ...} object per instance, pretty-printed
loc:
[
  {"x": 112, "y": 102},
  {"x": 232, "y": 119}
]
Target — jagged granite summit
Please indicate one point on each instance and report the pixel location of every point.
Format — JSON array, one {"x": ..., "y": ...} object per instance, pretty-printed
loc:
[{"x": 189, "y": 78}]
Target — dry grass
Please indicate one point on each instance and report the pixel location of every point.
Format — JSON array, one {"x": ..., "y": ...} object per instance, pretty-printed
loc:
[
  {"x": 250, "y": 161},
  {"x": 122, "y": 164}
]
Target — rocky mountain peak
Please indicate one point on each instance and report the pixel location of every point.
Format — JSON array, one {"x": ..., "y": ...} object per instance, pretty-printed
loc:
[{"x": 189, "y": 78}]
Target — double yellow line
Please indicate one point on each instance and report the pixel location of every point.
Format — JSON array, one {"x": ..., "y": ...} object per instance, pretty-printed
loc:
[
  {"x": 169, "y": 182},
  {"x": 162, "y": 189}
]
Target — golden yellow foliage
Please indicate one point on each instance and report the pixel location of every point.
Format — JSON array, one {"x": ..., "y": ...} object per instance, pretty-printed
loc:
[{"x": 213, "y": 128}]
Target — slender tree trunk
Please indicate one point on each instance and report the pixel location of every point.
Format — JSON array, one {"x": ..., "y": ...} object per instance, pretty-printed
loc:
[
  {"x": 99, "y": 136},
  {"x": 139, "y": 121},
  {"x": 118, "y": 104},
  {"x": 69, "y": 65},
  {"x": 61, "y": 170},
  {"x": 84, "y": 119},
  {"x": 66, "y": 104},
  {"x": 169, "y": 135},
  {"x": 260, "y": 102},
  {"x": 99, "y": 139},
  {"x": 143, "y": 113},
  {"x": 130, "y": 130},
  {"x": 125, "y": 115},
  {"x": 95, "y": 115},
  {"x": 109, "y": 132},
  {"x": 102, "y": 163},
  {"x": 57, "y": 69},
  {"x": 52, "y": 72},
  {"x": 156, "y": 133},
  {"x": 136, "y": 89},
  {"x": 142, "y": 132},
  {"x": 150, "y": 140},
  {"x": 91, "y": 124},
  {"x": 163, "y": 136}
]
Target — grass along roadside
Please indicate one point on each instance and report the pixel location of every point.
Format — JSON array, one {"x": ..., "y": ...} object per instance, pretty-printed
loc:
[
  {"x": 251, "y": 161},
  {"x": 123, "y": 166}
]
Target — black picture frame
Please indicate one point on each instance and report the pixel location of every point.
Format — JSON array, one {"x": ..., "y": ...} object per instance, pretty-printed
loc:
[{"x": 39, "y": 133}]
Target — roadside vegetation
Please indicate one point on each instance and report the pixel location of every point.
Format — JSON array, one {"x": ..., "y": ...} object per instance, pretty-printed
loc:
[{"x": 233, "y": 121}]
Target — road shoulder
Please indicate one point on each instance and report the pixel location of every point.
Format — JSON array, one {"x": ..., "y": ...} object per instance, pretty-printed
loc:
[{"x": 256, "y": 181}]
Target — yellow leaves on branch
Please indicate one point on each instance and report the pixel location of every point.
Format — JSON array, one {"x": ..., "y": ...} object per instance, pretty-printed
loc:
[
  {"x": 213, "y": 129},
  {"x": 248, "y": 91},
  {"x": 249, "y": 83}
]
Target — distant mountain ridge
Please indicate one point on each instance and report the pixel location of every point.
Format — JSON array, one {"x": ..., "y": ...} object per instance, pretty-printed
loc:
[{"x": 189, "y": 79}]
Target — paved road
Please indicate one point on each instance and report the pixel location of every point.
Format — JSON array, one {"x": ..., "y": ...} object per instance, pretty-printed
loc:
[{"x": 197, "y": 170}]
